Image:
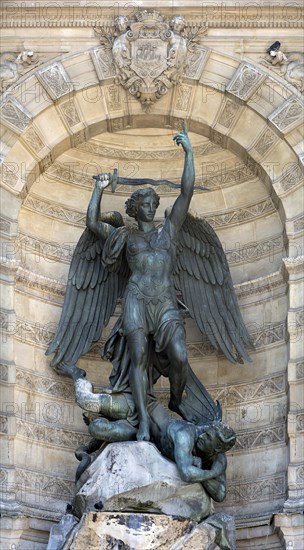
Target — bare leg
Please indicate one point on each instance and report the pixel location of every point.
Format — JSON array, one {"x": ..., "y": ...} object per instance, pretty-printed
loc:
[
  {"x": 138, "y": 378},
  {"x": 177, "y": 355},
  {"x": 119, "y": 430}
]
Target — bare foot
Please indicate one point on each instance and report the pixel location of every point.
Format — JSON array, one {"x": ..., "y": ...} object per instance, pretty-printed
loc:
[{"x": 143, "y": 432}]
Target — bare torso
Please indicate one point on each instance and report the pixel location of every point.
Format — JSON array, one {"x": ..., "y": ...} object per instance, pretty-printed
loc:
[{"x": 151, "y": 260}]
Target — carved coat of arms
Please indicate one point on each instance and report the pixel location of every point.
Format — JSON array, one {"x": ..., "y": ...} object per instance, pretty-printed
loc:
[{"x": 149, "y": 53}]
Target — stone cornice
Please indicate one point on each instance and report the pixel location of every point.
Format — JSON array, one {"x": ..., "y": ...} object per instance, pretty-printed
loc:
[{"x": 235, "y": 15}]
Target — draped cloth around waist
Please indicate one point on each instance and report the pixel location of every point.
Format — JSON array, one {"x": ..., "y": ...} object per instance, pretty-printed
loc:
[{"x": 158, "y": 316}]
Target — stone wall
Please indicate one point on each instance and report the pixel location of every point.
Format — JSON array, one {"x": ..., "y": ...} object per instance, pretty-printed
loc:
[{"x": 66, "y": 119}]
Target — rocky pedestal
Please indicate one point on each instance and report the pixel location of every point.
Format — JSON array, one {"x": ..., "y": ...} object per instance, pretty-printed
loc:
[
  {"x": 135, "y": 477},
  {"x": 131, "y": 497}
]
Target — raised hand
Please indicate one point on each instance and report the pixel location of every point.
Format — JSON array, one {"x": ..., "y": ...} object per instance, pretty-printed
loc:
[
  {"x": 182, "y": 139},
  {"x": 103, "y": 180}
]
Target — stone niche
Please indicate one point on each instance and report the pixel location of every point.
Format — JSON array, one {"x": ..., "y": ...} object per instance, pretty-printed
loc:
[{"x": 62, "y": 124}]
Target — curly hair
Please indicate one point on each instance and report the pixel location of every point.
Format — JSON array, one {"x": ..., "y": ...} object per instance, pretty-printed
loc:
[{"x": 136, "y": 199}]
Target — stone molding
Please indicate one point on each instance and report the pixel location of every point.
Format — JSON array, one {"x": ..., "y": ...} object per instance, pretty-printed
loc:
[
  {"x": 54, "y": 210},
  {"x": 49, "y": 489},
  {"x": 28, "y": 279},
  {"x": 47, "y": 249},
  {"x": 269, "y": 488},
  {"x": 46, "y": 435},
  {"x": 294, "y": 265},
  {"x": 81, "y": 16},
  {"x": 255, "y": 391},
  {"x": 44, "y": 385},
  {"x": 242, "y": 214},
  {"x": 119, "y": 153},
  {"x": 266, "y": 284},
  {"x": 265, "y": 437}
]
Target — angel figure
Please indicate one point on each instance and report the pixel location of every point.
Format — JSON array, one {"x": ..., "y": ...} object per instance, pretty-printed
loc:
[{"x": 148, "y": 265}]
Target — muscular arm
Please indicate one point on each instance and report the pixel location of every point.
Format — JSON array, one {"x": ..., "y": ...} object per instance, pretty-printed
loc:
[
  {"x": 184, "y": 440},
  {"x": 182, "y": 203},
  {"x": 216, "y": 487},
  {"x": 93, "y": 222}
]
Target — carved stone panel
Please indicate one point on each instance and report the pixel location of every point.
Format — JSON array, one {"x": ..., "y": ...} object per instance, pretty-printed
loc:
[
  {"x": 195, "y": 63},
  {"x": 103, "y": 62},
  {"x": 14, "y": 115},
  {"x": 33, "y": 139},
  {"x": 228, "y": 113},
  {"x": 55, "y": 80},
  {"x": 288, "y": 115},
  {"x": 265, "y": 142},
  {"x": 69, "y": 112},
  {"x": 245, "y": 81}
]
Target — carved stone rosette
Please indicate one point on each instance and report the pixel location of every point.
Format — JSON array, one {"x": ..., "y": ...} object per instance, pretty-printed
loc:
[{"x": 150, "y": 54}]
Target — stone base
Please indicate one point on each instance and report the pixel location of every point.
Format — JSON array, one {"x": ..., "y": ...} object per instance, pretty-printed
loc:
[
  {"x": 135, "y": 477},
  {"x": 108, "y": 530}
]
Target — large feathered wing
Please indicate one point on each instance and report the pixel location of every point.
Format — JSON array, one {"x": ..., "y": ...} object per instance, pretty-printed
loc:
[
  {"x": 202, "y": 276},
  {"x": 90, "y": 299}
]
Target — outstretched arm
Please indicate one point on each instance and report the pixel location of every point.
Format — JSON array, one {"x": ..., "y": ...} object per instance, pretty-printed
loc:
[
  {"x": 181, "y": 205},
  {"x": 93, "y": 222}
]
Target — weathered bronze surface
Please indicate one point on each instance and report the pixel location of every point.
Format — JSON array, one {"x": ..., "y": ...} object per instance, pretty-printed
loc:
[{"x": 148, "y": 265}]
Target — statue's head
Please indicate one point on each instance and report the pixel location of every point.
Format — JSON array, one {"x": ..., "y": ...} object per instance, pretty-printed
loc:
[
  {"x": 177, "y": 23},
  {"x": 138, "y": 198},
  {"x": 121, "y": 23},
  {"x": 215, "y": 438}
]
